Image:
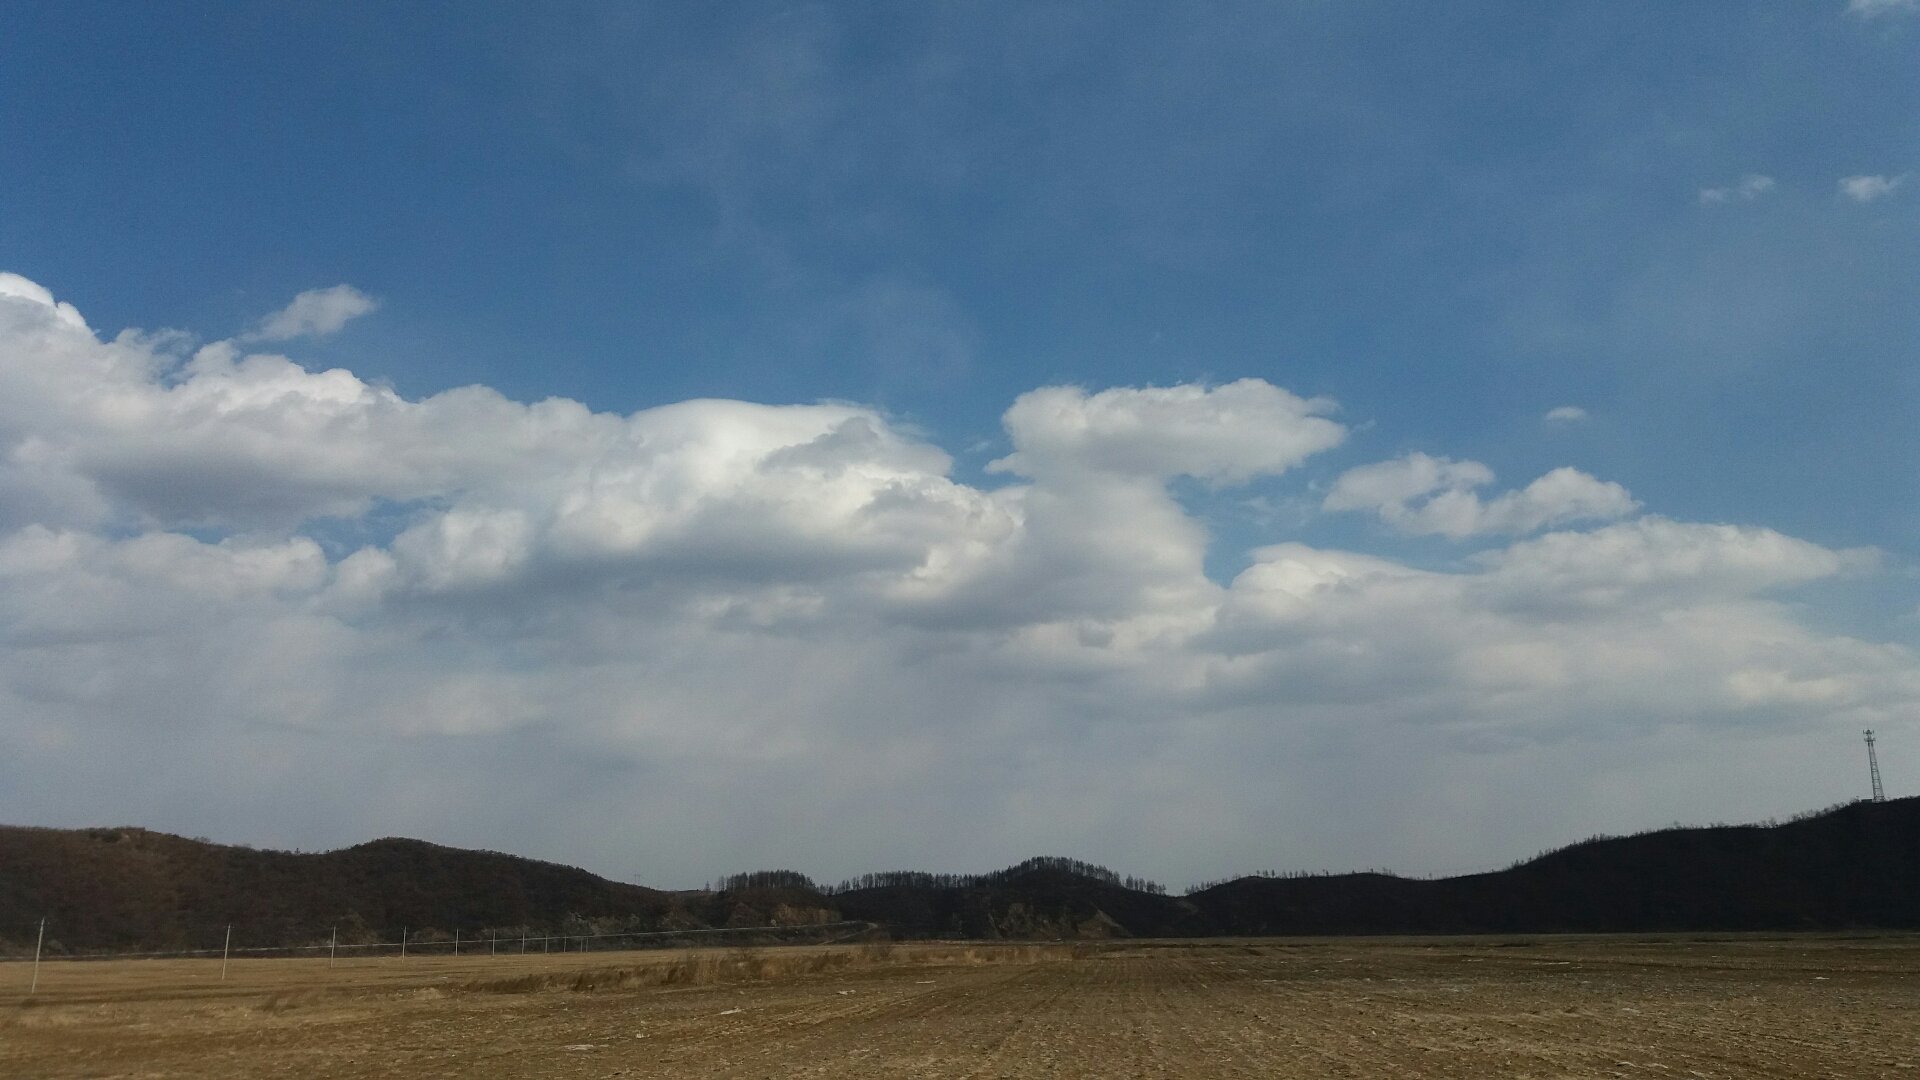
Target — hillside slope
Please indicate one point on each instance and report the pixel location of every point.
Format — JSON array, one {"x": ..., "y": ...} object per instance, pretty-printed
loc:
[
  {"x": 1856, "y": 866},
  {"x": 126, "y": 888},
  {"x": 1853, "y": 866},
  {"x": 1023, "y": 902}
]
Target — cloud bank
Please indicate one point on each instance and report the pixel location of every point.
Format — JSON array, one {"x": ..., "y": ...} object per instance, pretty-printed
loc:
[{"x": 244, "y": 598}]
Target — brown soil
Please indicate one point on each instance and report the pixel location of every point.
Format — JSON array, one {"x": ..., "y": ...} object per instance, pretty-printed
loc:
[{"x": 1540, "y": 1007}]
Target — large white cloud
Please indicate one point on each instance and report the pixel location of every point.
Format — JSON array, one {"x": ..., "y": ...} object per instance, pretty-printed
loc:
[{"x": 243, "y": 598}]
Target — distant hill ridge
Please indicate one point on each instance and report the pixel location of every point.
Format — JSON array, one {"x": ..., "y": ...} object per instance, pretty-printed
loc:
[{"x": 1854, "y": 866}]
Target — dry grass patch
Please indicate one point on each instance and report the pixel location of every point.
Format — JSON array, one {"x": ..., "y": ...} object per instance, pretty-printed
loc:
[{"x": 759, "y": 965}]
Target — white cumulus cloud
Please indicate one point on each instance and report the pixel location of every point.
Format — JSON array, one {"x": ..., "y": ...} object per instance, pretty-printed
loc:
[
  {"x": 243, "y": 598},
  {"x": 1223, "y": 433},
  {"x": 1427, "y": 495},
  {"x": 16, "y": 288},
  {"x": 315, "y": 313},
  {"x": 1565, "y": 414}
]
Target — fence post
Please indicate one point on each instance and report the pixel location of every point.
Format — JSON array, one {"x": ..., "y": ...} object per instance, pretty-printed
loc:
[
  {"x": 333, "y": 946},
  {"x": 37, "y": 943},
  {"x": 403, "y": 942},
  {"x": 456, "y": 941},
  {"x": 225, "y": 949}
]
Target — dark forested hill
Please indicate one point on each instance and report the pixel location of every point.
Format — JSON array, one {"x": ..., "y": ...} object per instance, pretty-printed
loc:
[
  {"x": 131, "y": 888},
  {"x": 1856, "y": 866},
  {"x": 1853, "y": 866},
  {"x": 1026, "y": 901}
]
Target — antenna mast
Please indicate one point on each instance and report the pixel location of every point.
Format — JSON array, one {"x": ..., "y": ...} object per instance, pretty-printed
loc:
[{"x": 1873, "y": 769}]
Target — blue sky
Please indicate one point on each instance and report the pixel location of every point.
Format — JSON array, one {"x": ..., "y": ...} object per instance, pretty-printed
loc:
[{"x": 1697, "y": 225}]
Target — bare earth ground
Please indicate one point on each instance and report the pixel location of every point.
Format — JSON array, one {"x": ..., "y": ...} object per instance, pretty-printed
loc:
[{"x": 1532, "y": 1007}]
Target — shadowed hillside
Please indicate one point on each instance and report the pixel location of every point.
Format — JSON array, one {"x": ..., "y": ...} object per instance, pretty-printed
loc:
[
  {"x": 126, "y": 888},
  {"x": 1856, "y": 866},
  {"x": 1040, "y": 898},
  {"x": 1853, "y": 866}
]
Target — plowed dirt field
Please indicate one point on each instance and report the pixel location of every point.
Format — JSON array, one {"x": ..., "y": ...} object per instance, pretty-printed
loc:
[{"x": 1538, "y": 1007}]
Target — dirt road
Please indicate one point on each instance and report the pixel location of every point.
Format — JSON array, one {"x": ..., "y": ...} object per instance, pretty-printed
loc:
[{"x": 1546, "y": 1007}]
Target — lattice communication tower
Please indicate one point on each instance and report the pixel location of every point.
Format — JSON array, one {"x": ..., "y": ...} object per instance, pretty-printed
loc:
[{"x": 1873, "y": 769}]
